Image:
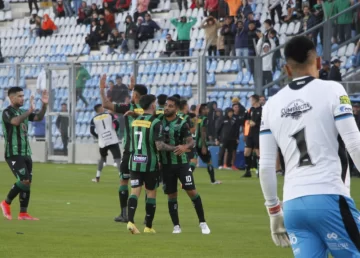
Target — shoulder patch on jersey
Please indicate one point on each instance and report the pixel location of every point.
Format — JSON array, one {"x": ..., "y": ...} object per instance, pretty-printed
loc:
[
  {"x": 345, "y": 100},
  {"x": 296, "y": 109},
  {"x": 141, "y": 123},
  {"x": 343, "y": 109}
]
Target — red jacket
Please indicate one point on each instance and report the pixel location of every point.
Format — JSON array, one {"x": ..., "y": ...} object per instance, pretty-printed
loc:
[
  {"x": 123, "y": 4},
  {"x": 211, "y": 5},
  {"x": 110, "y": 20}
]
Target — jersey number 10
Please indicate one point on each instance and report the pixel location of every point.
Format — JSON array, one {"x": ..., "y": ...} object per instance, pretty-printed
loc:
[{"x": 305, "y": 159}]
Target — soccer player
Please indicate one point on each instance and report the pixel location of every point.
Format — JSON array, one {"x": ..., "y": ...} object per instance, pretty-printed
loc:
[
  {"x": 201, "y": 141},
  {"x": 146, "y": 141},
  {"x": 184, "y": 114},
  {"x": 102, "y": 128},
  {"x": 252, "y": 140},
  {"x": 311, "y": 121},
  {"x": 175, "y": 165},
  {"x": 17, "y": 148},
  {"x": 161, "y": 99},
  {"x": 138, "y": 91}
]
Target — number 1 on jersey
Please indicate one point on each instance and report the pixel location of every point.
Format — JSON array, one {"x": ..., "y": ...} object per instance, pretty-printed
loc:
[
  {"x": 301, "y": 144},
  {"x": 140, "y": 139}
]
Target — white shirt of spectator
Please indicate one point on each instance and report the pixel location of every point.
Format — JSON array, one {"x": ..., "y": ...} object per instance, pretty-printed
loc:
[
  {"x": 41, "y": 80},
  {"x": 306, "y": 124},
  {"x": 104, "y": 128},
  {"x": 267, "y": 60}
]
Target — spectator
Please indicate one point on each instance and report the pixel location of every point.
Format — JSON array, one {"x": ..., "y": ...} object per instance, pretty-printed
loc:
[
  {"x": 324, "y": 72},
  {"x": 345, "y": 20},
  {"x": 218, "y": 118},
  {"x": 94, "y": 9},
  {"x": 263, "y": 49},
  {"x": 227, "y": 137},
  {"x": 268, "y": 27},
  {"x": 239, "y": 118},
  {"x": 124, "y": 44},
  {"x": 183, "y": 29},
  {"x": 83, "y": 13},
  {"x": 81, "y": 77},
  {"x": 318, "y": 14},
  {"x": 110, "y": 19},
  {"x": 93, "y": 16},
  {"x": 275, "y": 6},
  {"x": 228, "y": 34},
  {"x": 277, "y": 54},
  {"x": 47, "y": 27},
  {"x": 262, "y": 100},
  {"x": 30, "y": 2},
  {"x": 92, "y": 39},
  {"x": 335, "y": 74},
  {"x": 37, "y": 27},
  {"x": 104, "y": 30},
  {"x": 220, "y": 44},
  {"x": 181, "y": 3},
  {"x": 119, "y": 92},
  {"x": 211, "y": 26},
  {"x": 211, "y": 7},
  {"x": 115, "y": 39},
  {"x": 233, "y": 6},
  {"x": 147, "y": 28},
  {"x": 60, "y": 11},
  {"x": 241, "y": 43},
  {"x": 62, "y": 124},
  {"x": 252, "y": 41},
  {"x": 122, "y": 5},
  {"x": 142, "y": 8},
  {"x": 304, "y": 19},
  {"x": 171, "y": 46},
  {"x": 67, "y": 8},
  {"x": 39, "y": 131},
  {"x": 357, "y": 54},
  {"x": 33, "y": 17},
  {"x": 139, "y": 21},
  {"x": 78, "y": 4},
  {"x": 211, "y": 121},
  {"x": 251, "y": 18},
  {"x": 42, "y": 78},
  {"x": 130, "y": 33},
  {"x": 289, "y": 9},
  {"x": 111, "y": 87},
  {"x": 245, "y": 9}
]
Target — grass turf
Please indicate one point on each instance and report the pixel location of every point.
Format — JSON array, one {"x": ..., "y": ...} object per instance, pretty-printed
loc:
[{"x": 77, "y": 218}]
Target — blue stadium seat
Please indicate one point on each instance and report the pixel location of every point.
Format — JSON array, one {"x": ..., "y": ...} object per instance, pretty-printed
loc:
[
  {"x": 239, "y": 78},
  {"x": 234, "y": 66},
  {"x": 210, "y": 79},
  {"x": 180, "y": 67},
  {"x": 183, "y": 79},
  {"x": 173, "y": 68},
  {"x": 220, "y": 103},
  {"x": 180, "y": 90},
  {"x": 198, "y": 44},
  {"x": 153, "y": 68},
  {"x": 166, "y": 68},
  {"x": 159, "y": 90},
  {"x": 129, "y": 69},
  {"x": 160, "y": 68},
  {"x": 187, "y": 92},
  {"x": 173, "y": 91},
  {"x": 166, "y": 90},
  {"x": 246, "y": 78},
  {"x": 319, "y": 49},
  {"x": 150, "y": 79},
  {"x": 213, "y": 66},
  {"x": 147, "y": 69},
  {"x": 207, "y": 64},
  {"x": 227, "y": 103},
  {"x": 123, "y": 70},
  {"x": 350, "y": 62}
]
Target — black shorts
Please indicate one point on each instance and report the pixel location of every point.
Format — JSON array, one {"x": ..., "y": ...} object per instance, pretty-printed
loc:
[
  {"x": 230, "y": 145},
  {"x": 114, "y": 149},
  {"x": 149, "y": 179},
  {"x": 191, "y": 154},
  {"x": 252, "y": 142},
  {"x": 124, "y": 166},
  {"x": 21, "y": 167},
  {"x": 205, "y": 158},
  {"x": 173, "y": 173}
]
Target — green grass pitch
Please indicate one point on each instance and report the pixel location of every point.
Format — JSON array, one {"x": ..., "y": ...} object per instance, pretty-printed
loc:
[{"x": 76, "y": 218}]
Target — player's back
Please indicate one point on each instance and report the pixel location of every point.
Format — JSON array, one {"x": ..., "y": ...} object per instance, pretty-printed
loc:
[
  {"x": 144, "y": 152},
  {"x": 103, "y": 123},
  {"x": 301, "y": 117}
]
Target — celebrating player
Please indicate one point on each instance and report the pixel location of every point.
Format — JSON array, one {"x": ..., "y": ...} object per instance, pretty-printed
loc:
[
  {"x": 17, "y": 148},
  {"x": 310, "y": 120},
  {"x": 161, "y": 99},
  {"x": 138, "y": 91},
  {"x": 146, "y": 141},
  {"x": 175, "y": 165},
  {"x": 252, "y": 140},
  {"x": 102, "y": 128},
  {"x": 201, "y": 142}
]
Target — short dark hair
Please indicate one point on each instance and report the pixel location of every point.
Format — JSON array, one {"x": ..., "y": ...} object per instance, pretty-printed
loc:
[
  {"x": 14, "y": 90},
  {"x": 273, "y": 32},
  {"x": 202, "y": 106},
  {"x": 97, "y": 106},
  {"x": 183, "y": 103},
  {"x": 255, "y": 97},
  {"x": 298, "y": 48},
  {"x": 268, "y": 21},
  {"x": 146, "y": 101},
  {"x": 141, "y": 89},
  {"x": 161, "y": 99},
  {"x": 175, "y": 100},
  {"x": 111, "y": 81},
  {"x": 63, "y": 104},
  {"x": 193, "y": 107},
  {"x": 177, "y": 96}
]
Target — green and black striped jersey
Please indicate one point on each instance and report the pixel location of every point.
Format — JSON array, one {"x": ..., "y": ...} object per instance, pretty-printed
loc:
[
  {"x": 175, "y": 133},
  {"x": 16, "y": 137},
  {"x": 122, "y": 109},
  {"x": 187, "y": 118},
  {"x": 159, "y": 110},
  {"x": 202, "y": 121},
  {"x": 145, "y": 131}
]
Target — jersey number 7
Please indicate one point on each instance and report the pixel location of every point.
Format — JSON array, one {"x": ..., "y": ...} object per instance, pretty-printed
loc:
[
  {"x": 140, "y": 139},
  {"x": 305, "y": 159}
]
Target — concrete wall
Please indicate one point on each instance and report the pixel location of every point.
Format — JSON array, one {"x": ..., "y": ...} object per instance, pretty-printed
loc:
[{"x": 83, "y": 153}]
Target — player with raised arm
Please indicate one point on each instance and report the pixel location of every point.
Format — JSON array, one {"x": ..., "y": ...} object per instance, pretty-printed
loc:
[
  {"x": 175, "y": 165},
  {"x": 201, "y": 141},
  {"x": 311, "y": 121},
  {"x": 17, "y": 148},
  {"x": 102, "y": 128},
  {"x": 146, "y": 141},
  {"x": 138, "y": 91}
]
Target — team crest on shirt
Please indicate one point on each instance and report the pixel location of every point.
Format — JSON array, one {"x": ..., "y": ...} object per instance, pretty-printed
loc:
[{"x": 296, "y": 109}]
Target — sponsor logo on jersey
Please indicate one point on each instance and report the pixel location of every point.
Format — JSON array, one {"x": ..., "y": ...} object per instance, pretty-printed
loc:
[
  {"x": 296, "y": 109},
  {"x": 345, "y": 100},
  {"x": 139, "y": 111},
  {"x": 100, "y": 117},
  {"x": 141, "y": 123},
  {"x": 140, "y": 158},
  {"x": 343, "y": 109}
]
